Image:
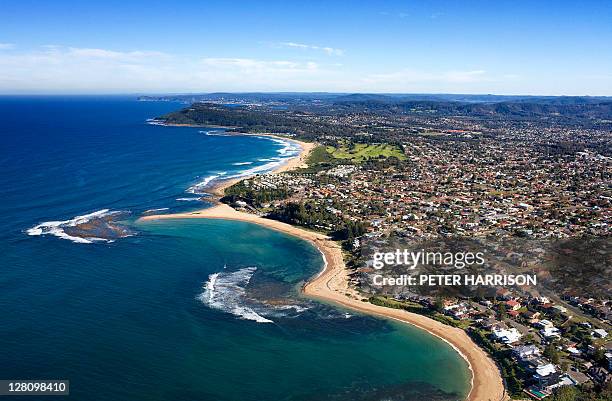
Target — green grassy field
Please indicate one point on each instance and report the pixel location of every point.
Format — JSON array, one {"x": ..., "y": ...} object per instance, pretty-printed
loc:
[
  {"x": 361, "y": 151},
  {"x": 319, "y": 155}
]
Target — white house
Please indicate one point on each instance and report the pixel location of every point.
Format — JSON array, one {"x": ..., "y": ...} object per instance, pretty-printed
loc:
[
  {"x": 544, "y": 324},
  {"x": 545, "y": 370},
  {"x": 526, "y": 351},
  {"x": 550, "y": 332},
  {"x": 599, "y": 333},
  {"x": 506, "y": 336}
]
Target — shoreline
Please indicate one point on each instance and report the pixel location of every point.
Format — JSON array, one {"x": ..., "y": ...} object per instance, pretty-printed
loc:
[
  {"x": 332, "y": 284},
  {"x": 165, "y": 124},
  {"x": 217, "y": 189}
]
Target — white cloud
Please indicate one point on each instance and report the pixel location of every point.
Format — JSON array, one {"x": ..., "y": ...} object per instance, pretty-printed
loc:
[
  {"x": 61, "y": 69},
  {"x": 328, "y": 50},
  {"x": 113, "y": 55},
  {"x": 253, "y": 64},
  {"x": 73, "y": 70}
]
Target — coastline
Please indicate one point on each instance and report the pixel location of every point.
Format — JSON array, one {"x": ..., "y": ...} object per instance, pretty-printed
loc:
[
  {"x": 332, "y": 284},
  {"x": 217, "y": 189}
]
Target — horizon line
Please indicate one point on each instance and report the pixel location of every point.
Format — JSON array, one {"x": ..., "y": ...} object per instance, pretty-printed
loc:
[{"x": 179, "y": 93}]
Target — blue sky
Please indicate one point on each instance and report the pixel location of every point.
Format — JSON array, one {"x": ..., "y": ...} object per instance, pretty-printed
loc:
[{"x": 504, "y": 47}]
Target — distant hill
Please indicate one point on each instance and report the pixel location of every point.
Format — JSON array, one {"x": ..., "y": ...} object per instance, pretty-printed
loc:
[
  {"x": 283, "y": 97},
  {"x": 327, "y": 97},
  {"x": 566, "y": 108},
  {"x": 393, "y": 98}
]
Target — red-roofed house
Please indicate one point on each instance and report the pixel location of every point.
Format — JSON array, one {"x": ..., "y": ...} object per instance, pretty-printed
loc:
[{"x": 513, "y": 305}]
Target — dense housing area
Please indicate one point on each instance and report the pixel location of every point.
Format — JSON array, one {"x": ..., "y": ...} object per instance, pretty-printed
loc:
[{"x": 536, "y": 170}]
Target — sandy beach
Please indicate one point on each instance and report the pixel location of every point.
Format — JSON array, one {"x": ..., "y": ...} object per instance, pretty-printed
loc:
[
  {"x": 217, "y": 189},
  {"x": 332, "y": 285}
]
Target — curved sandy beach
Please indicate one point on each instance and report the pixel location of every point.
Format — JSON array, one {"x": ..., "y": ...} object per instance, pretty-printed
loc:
[
  {"x": 332, "y": 285},
  {"x": 217, "y": 190}
]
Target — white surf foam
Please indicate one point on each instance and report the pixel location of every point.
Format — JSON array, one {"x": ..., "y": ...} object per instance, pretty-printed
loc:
[
  {"x": 156, "y": 210},
  {"x": 198, "y": 188},
  {"x": 258, "y": 169},
  {"x": 296, "y": 308},
  {"x": 210, "y": 286},
  {"x": 226, "y": 291},
  {"x": 287, "y": 151},
  {"x": 214, "y": 133},
  {"x": 187, "y": 199},
  {"x": 288, "y": 148},
  {"x": 56, "y": 228},
  {"x": 152, "y": 121}
]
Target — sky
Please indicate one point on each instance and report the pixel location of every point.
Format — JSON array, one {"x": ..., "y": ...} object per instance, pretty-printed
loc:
[{"x": 428, "y": 46}]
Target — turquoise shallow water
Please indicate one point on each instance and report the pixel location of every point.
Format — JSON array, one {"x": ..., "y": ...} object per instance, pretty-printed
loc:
[{"x": 182, "y": 310}]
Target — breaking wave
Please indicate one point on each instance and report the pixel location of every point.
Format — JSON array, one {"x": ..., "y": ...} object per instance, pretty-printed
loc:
[
  {"x": 187, "y": 199},
  {"x": 226, "y": 291},
  {"x": 85, "y": 229},
  {"x": 154, "y": 121},
  {"x": 159, "y": 209},
  {"x": 288, "y": 149},
  {"x": 258, "y": 169},
  {"x": 198, "y": 188},
  {"x": 214, "y": 133}
]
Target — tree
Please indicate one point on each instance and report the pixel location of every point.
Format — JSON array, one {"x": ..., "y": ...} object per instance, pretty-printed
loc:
[
  {"x": 550, "y": 351},
  {"x": 566, "y": 393},
  {"x": 565, "y": 366},
  {"x": 439, "y": 304},
  {"x": 599, "y": 356}
]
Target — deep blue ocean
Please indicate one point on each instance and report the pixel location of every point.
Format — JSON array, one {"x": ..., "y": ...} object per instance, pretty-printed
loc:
[{"x": 178, "y": 310}]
